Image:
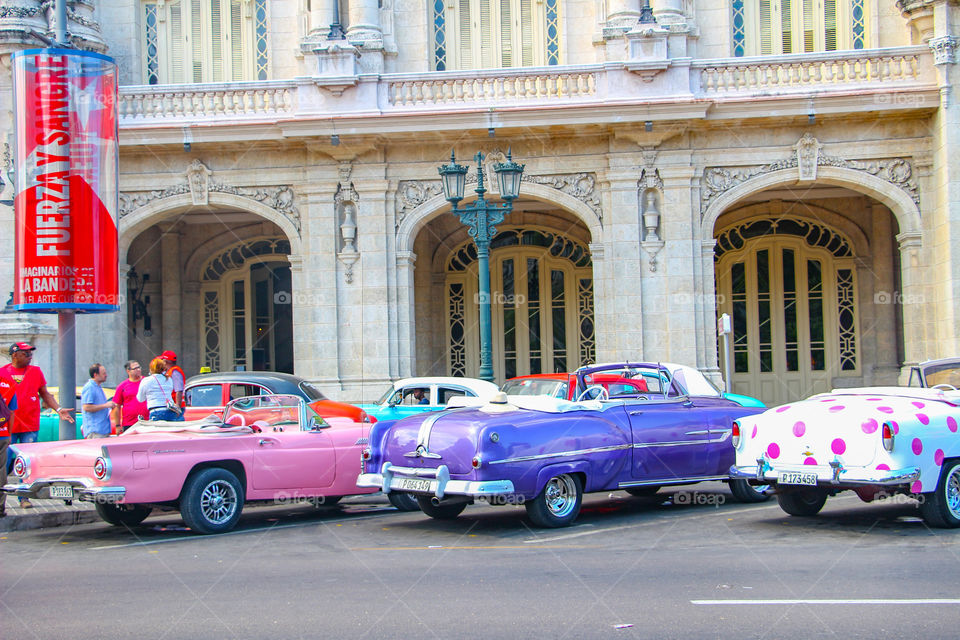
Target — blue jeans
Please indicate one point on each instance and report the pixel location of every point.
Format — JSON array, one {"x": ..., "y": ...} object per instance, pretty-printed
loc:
[
  {"x": 25, "y": 437},
  {"x": 165, "y": 414}
]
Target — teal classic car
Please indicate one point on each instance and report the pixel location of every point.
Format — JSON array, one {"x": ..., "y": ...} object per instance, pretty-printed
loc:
[
  {"x": 50, "y": 421},
  {"x": 412, "y": 396}
]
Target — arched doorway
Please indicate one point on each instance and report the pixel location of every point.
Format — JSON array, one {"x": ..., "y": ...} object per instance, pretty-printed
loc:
[
  {"x": 541, "y": 303},
  {"x": 789, "y": 286},
  {"x": 248, "y": 307}
]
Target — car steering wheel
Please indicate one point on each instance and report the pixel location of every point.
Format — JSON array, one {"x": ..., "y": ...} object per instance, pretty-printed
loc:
[
  {"x": 945, "y": 386},
  {"x": 587, "y": 393}
]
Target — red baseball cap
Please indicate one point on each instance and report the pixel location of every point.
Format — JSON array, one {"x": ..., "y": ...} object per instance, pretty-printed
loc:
[
  {"x": 168, "y": 355},
  {"x": 21, "y": 346}
]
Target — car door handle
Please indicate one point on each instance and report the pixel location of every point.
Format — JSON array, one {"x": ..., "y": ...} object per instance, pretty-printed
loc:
[
  {"x": 636, "y": 413},
  {"x": 704, "y": 432},
  {"x": 263, "y": 442}
]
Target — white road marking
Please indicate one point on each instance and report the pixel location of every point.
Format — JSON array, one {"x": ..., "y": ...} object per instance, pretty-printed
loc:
[
  {"x": 143, "y": 543},
  {"x": 850, "y": 601}
]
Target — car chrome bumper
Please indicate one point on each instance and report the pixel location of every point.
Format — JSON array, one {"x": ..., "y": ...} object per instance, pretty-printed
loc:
[
  {"x": 391, "y": 478},
  {"x": 82, "y": 490},
  {"x": 829, "y": 475}
]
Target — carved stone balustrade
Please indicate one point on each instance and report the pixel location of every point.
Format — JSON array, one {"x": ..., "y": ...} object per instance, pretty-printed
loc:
[{"x": 193, "y": 102}]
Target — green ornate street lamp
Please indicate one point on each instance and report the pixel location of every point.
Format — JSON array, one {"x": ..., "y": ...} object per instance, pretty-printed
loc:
[{"x": 481, "y": 217}]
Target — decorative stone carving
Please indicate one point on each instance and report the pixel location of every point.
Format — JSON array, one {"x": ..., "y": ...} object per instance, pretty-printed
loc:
[
  {"x": 944, "y": 49},
  {"x": 344, "y": 202},
  {"x": 651, "y": 217},
  {"x": 920, "y": 16},
  {"x": 413, "y": 193},
  {"x": 198, "y": 177},
  {"x": 808, "y": 154},
  {"x": 582, "y": 186},
  {"x": 199, "y": 185},
  {"x": 650, "y": 179},
  {"x": 896, "y": 171}
]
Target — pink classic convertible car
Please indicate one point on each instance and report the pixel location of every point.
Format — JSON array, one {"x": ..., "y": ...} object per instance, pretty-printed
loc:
[{"x": 268, "y": 447}]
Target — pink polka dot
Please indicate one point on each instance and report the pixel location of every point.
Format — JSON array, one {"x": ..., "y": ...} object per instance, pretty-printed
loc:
[
  {"x": 773, "y": 450},
  {"x": 883, "y": 467},
  {"x": 810, "y": 461},
  {"x": 922, "y": 417},
  {"x": 837, "y": 407},
  {"x": 838, "y": 446},
  {"x": 829, "y": 400},
  {"x": 916, "y": 487},
  {"x": 938, "y": 457},
  {"x": 869, "y": 426},
  {"x": 917, "y": 446},
  {"x": 754, "y": 434},
  {"x": 885, "y": 409},
  {"x": 952, "y": 424},
  {"x": 783, "y": 408},
  {"x": 895, "y": 427},
  {"x": 918, "y": 405},
  {"x": 799, "y": 429},
  {"x": 873, "y": 399}
]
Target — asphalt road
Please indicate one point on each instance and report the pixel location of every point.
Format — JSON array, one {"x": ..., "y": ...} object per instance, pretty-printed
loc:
[{"x": 628, "y": 568}]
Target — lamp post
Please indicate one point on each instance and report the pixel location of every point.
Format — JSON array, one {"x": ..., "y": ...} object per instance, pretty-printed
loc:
[{"x": 481, "y": 217}]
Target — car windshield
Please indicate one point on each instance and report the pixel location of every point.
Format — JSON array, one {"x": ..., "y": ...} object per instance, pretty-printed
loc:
[
  {"x": 942, "y": 373},
  {"x": 311, "y": 392},
  {"x": 263, "y": 411},
  {"x": 387, "y": 395},
  {"x": 534, "y": 387}
]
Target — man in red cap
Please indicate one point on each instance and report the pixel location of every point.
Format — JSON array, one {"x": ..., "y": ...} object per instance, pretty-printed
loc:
[
  {"x": 31, "y": 389},
  {"x": 176, "y": 376}
]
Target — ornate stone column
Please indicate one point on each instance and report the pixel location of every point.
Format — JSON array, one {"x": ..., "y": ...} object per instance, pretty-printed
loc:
[
  {"x": 913, "y": 298},
  {"x": 364, "y": 21},
  {"x": 883, "y": 329},
  {"x": 321, "y": 16},
  {"x": 406, "y": 318},
  {"x": 171, "y": 291}
]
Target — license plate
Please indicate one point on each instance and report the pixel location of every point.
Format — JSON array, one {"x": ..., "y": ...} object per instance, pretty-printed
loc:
[
  {"x": 795, "y": 477},
  {"x": 61, "y": 491},
  {"x": 414, "y": 484}
]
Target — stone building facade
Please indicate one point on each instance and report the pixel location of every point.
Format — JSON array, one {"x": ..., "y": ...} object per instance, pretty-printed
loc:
[{"x": 280, "y": 205}]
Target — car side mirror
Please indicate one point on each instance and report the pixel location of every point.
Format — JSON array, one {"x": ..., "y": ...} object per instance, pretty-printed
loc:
[{"x": 317, "y": 425}]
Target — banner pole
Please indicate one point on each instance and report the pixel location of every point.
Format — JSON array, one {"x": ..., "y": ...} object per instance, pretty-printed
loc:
[
  {"x": 67, "y": 340},
  {"x": 61, "y": 30}
]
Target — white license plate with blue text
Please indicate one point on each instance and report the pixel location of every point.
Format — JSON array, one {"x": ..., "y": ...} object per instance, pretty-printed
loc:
[
  {"x": 61, "y": 491},
  {"x": 414, "y": 484},
  {"x": 797, "y": 477}
]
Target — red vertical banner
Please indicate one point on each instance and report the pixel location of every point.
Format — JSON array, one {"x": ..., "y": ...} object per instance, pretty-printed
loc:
[{"x": 65, "y": 110}]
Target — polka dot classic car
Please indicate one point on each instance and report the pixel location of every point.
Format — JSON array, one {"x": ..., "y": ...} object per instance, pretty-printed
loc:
[
  {"x": 874, "y": 441},
  {"x": 545, "y": 453}
]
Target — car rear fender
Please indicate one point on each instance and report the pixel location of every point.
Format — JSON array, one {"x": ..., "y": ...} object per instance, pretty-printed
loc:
[
  {"x": 233, "y": 466},
  {"x": 579, "y": 467}
]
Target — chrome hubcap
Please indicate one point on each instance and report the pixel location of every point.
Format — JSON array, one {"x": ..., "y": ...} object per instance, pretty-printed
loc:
[
  {"x": 953, "y": 492},
  {"x": 218, "y": 502},
  {"x": 560, "y": 496}
]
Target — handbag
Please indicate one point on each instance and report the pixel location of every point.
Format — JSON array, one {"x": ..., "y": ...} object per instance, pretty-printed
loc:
[{"x": 171, "y": 405}]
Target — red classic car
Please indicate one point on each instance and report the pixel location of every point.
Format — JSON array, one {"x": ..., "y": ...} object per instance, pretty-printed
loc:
[{"x": 210, "y": 392}]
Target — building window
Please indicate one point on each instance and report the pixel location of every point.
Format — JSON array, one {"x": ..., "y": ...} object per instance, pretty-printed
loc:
[
  {"x": 775, "y": 27},
  {"x": 492, "y": 34},
  {"x": 189, "y": 41}
]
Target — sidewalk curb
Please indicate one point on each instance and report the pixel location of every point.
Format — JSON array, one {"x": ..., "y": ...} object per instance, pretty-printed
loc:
[{"x": 42, "y": 520}]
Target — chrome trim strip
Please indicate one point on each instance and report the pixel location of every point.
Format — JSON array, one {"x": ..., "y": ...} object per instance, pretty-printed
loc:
[
  {"x": 704, "y": 432},
  {"x": 440, "y": 487},
  {"x": 825, "y": 474},
  {"x": 561, "y": 454},
  {"x": 682, "y": 443},
  {"x": 664, "y": 483}
]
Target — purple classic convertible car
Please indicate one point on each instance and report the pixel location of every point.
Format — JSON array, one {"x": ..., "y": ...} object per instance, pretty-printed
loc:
[{"x": 546, "y": 452}]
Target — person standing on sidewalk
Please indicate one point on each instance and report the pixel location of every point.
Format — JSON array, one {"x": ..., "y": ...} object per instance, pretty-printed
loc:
[
  {"x": 128, "y": 410},
  {"x": 8, "y": 402},
  {"x": 31, "y": 390},
  {"x": 96, "y": 407},
  {"x": 176, "y": 376},
  {"x": 156, "y": 390}
]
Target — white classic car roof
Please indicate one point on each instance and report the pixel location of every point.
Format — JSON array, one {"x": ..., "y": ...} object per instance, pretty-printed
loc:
[
  {"x": 480, "y": 387},
  {"x": 900, "y": 392}
]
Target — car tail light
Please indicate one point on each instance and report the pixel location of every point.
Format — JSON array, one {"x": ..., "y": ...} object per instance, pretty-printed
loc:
[
  {"x": 20, "y": 467},
  {"x": 366, "y": 455},
  {"x": 476, "y": 462},
  {"x": 100, "y": 469},
  {"x": 735, "y": 434},
  {"x": 887, "y": 436}
]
